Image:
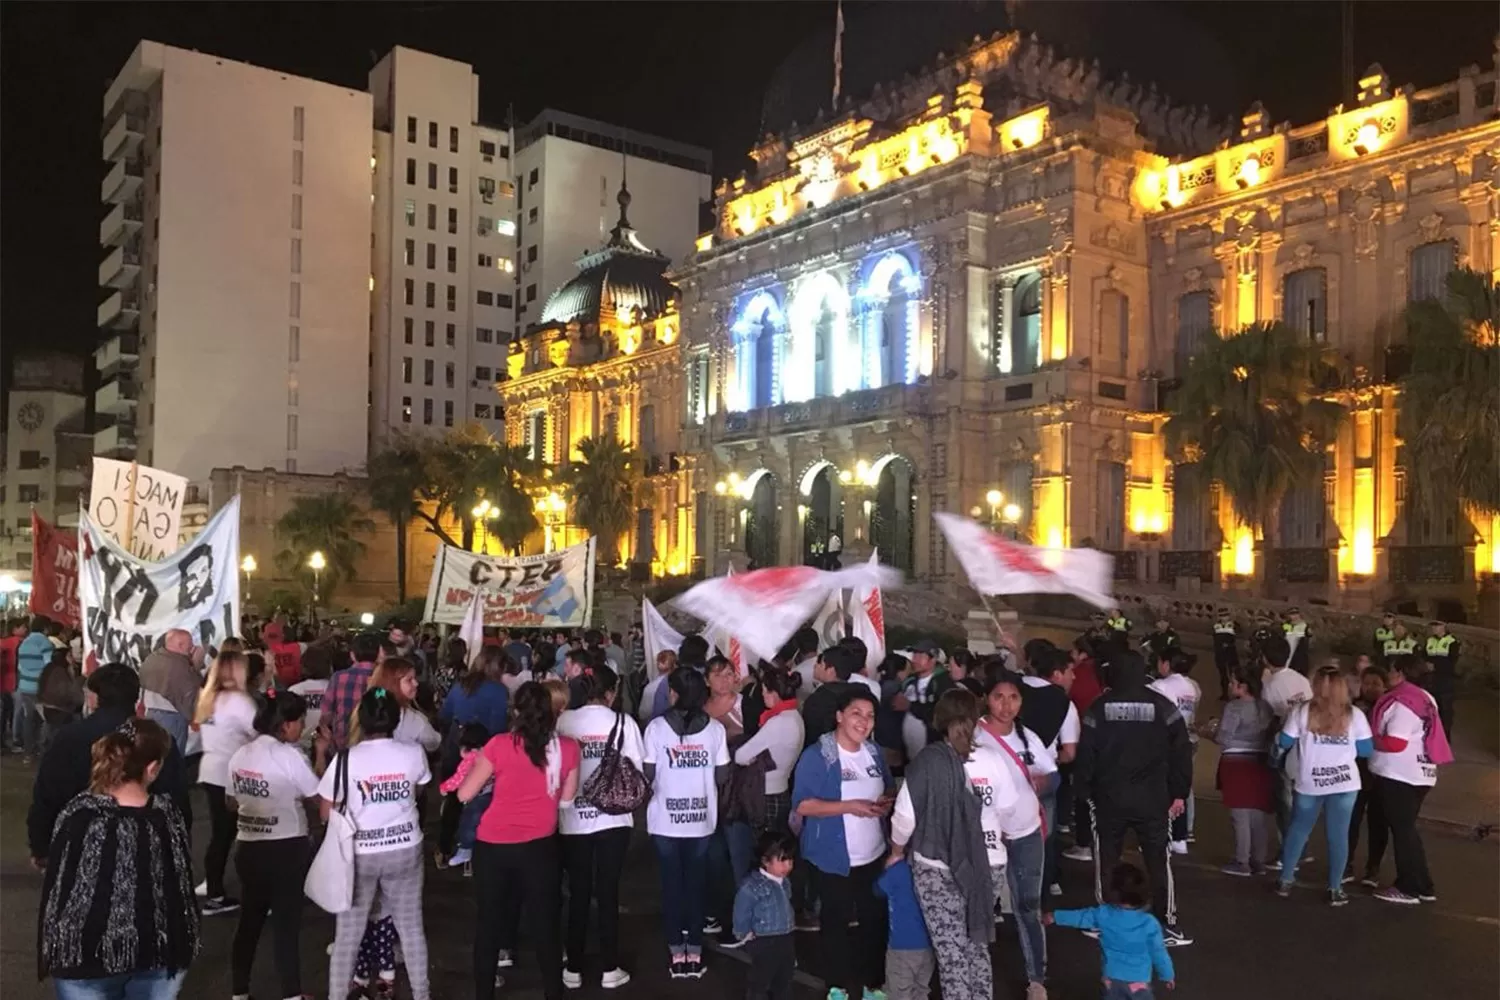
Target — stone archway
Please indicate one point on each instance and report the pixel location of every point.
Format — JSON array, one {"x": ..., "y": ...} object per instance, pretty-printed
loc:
[
  {"x": 822, "y": 512},
  {"x": 761, "y": 521},
  {"x": 893, "y": 516}
]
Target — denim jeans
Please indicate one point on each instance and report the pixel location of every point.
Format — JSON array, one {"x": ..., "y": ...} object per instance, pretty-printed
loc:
[
  {"x": 684, "y": 876},
  {"x": 27, "y": 725},
  {"x": 1048, "y": 799},
  {"x": 468, "y": 821},
  {"x": 1336, "y": 810},
  {"x": 1024, "y": 859},
  {"x": 156, "y": 984}
]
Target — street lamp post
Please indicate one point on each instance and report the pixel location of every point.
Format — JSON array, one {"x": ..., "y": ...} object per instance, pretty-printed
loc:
[
  {"x": 248, "y": 567},
  {"x": 316, "y": 563},
  {"x": 995, "y": 499},
  {"x": 485, "y": 511}
]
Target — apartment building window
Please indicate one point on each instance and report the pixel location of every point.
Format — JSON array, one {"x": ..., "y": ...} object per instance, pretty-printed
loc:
[
  {"x": 406, "y": 370},
  {"x": 406, "y": 321},
  {"x": 482, "y": 373},
  {"x": 291, "y": 432},
  {"x": 453, "y": 220},
  {"x": 453, "y": 180},
  {"x": 531, "y": 254},
  {"x": 450, "y": 335},
  {"x": 486, "y": 224},
  {"x": 296, "y": 255},
  {"x": 531, "y": 214},
  {"x": 484, "y": 335},
  {"x": 409, "y": 253},
  {"x": 431, "y": 295},
  {"x": 485, "y": 260},
  {"x": 452, "y": 299},
  {"x": 432, "y": 217},
  {"x": 29, "y": 494},
  {"x": 298, "y": 117},
  {"x": 427, "y": 368},
  {"x": 427, "y": 411},
  {"x": 485, "y": 298},
  {"x": 502, "y": 299},
  {"x": 505, "y": 189},
  {"x": 411, "y": 128},
  {"x": 505, "y": 264},
  {"x": 296, "y": 211},
  {"x": 411, "y": 171},
  {"x": 530, "y": 293},
  {"x": 432, "y": 176},
  {"x": 487, "y": 150},
  {"x": 411, "y": 214},
  {"x": 505, "y": 227},
  {"x": 481, "y": 411},
  {"x": 294, "y": 306},
  {"x": 409, "y": 293},
  {"x": 453, "y": 260},
  {"x": 296, "y": 168},
  {"x": 487, "y": 190},
  {"x": 536, "y": 173},
  {"x": 448, "y": 375},
  {"x": 429, "y": 328},
  {"x": 293, "y": 346},
  {"x": 452, "y": 139},
  {"x": 406, "y": 409},
  {"x": 447, "y": 413},
  {"x": 432, "y": 128},
  {"x": 432, "y": 256}
]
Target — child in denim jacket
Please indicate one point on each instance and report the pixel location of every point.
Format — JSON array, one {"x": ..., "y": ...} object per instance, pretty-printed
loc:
[{"x": 763, "y": 919}]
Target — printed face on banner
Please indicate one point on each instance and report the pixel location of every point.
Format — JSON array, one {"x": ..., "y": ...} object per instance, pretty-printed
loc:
[
  {"x": 550, "y": 591},
  {"x": 137, "y": 507}
]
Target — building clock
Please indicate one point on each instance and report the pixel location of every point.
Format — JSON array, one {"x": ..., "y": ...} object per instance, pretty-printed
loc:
[{"x": 31, "y": 415}]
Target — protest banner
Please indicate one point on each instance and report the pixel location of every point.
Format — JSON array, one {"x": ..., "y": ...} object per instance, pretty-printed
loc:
[
  {"x": 555, "y": 590},
  {"x": 128, "y": 602},
  {"x": 54, "y": 573},
  {"x": 137, "y": 507}
]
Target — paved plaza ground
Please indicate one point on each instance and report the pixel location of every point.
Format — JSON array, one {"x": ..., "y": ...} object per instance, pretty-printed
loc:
[{"x": 1250, "y": 944}]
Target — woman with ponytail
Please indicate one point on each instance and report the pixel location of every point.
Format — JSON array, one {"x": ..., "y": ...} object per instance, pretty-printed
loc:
[
  {"x": 269, "y": 778},
  {"x": 113, "y": 843},
  {"x": 226, "y": 721}
]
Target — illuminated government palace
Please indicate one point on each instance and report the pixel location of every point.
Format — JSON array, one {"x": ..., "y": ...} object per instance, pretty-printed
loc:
[{"x": 971, "y": 292}]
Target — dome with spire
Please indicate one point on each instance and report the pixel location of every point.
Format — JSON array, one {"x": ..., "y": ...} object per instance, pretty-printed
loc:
[{"x": 624, "y": 277}]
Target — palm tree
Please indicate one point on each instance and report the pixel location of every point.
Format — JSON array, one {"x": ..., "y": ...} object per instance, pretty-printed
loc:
[
  {"x": 517, "y": 474},
  {"x": 458, "y": 468},
  {"x": 395, "y": 478},
  {"x": 1250, "y": 416},
  {"x": 603, "y": 485},
  {"x": 1450, "y": 398},
  {"x": 330, "y": 524}
]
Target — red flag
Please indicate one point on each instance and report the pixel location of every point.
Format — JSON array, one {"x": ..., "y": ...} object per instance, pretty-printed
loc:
[
  {"x": 54, "y": 573},
  {"x": 764, "y": 607},
  {"x": 997, "y": 565}
]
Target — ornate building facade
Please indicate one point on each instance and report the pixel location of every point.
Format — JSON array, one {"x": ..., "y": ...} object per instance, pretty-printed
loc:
[{"x": 969, "y": 293}]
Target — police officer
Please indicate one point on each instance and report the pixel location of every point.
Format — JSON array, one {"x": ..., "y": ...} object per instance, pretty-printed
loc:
[
  {"x": 1162, "y": 643},
  {"x": 1264, "y": 629},
  {"x": 1299, "y": 637},
  {"x": 1118, "y": 624},
  {"x": 1226, "y": 650},
  {"x": 1442, "y": 653},
  {"x": 1399, "y": 644},
  {"x": 1385, "y": 630}
]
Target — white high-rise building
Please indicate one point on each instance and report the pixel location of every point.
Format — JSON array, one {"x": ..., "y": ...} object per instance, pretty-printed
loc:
[
  {"x": 568, "y": 172},
  {"x": 444, "y": 249},
  {"x": 236, "y": 269}
]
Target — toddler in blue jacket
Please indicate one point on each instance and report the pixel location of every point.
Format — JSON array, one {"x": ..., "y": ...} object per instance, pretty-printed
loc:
[
  {"x": 763, "y": 919},
  {"x": 1129, "y": 935}
]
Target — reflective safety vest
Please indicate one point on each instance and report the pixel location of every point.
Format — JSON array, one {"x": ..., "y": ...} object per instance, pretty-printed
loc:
[
  {"x": 1120, "y": 624},
  {"x": 1223, "y": 628},
  {"x": 1298, "y": 629},
  {"x": 1382, "y": 634},
  {"x": 1399, "y": 647},
  {"x": 1439, "y": 645}
]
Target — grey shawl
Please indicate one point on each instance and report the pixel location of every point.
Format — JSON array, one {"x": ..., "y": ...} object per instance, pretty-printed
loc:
[{"x": 948, "y": 830}]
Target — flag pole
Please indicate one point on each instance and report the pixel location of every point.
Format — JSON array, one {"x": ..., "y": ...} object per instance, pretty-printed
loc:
[
  {"x": 838, "y": 54},
  {"x": 994, "y": 616},
  {"x": 135, "y": 476}
]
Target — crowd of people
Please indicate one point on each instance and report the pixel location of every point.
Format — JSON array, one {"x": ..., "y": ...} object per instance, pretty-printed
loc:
[{"x": 899, "y": 810}]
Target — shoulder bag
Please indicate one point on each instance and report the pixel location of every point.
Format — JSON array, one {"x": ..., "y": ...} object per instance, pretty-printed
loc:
[
  {"x": 617, "y": 787},
  {"x": 330, "y": 877}
]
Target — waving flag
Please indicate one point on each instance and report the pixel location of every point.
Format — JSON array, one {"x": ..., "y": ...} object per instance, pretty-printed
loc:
[
  {"x": 471, "y": 631},
  {"x": 657, "y": 634},
  {"x": 997, "y": 565},
  {"x": 764, "y": 607},
  {"x": 867, "y": 610},
  {"x": 557, "y": 599},
  {"x": 829, "y": 621}
]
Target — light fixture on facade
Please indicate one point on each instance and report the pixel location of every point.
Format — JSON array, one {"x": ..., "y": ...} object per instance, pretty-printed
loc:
[
  {"x": 1249, "y": 173},
  {"x": 845, "y": 476},
  {"x": 721, "y": 487},
  {"x": 1367, "y": 138}
]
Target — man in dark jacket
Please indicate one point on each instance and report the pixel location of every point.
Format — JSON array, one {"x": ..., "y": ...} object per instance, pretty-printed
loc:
[
  {"x": 1135, "y": 765},
  {"x": 64, "y": 770},
  {"x": 820, "y": 712}
]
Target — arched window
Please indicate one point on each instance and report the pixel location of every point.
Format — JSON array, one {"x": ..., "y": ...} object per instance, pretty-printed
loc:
[
  {"x": 764, "y": 369},
  {"x": 755, "y": 337},
  {"x": 1195, "y": 318},
  {"x": 1427, "y": 278},
  {"x": 894, "y": 331},
  {"x": 1304, "y": 303},
  {"x": 1113, "y": 351},
  {"x": 1026, "y": 325}
]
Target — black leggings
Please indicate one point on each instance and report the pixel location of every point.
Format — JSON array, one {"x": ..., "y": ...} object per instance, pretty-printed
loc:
[
  {"x": 505, "y": 875},
  {"x": 271, "y": 875},
  {"x": 220, "y": 840},
  {"x": 594, "y": 862}
]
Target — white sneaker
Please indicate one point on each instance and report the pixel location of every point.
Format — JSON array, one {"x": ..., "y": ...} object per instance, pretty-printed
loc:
[
  {"x": 201, "y": 891},
  {"x": 460, "y": 857},
  {"x": 505, "y": 960},
  {"x": 1079, "y": 854},
  {"x": 1054, "y": 889},
  {"x": 572, "y": 980},
  {"x": 1178, "y": 847},
  {"x": 614, "y": 979}
]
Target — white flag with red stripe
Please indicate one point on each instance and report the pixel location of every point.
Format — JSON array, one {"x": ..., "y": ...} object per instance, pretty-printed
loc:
[
  {"x": 764, "y": 607},
  {"x": 997, "y": 565},
  {"x": 829, "y": 621},
  {"x": 867, "y": 611}
]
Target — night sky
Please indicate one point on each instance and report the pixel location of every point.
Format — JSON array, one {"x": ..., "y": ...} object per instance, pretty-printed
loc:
[{"x": 714, "y": 74}]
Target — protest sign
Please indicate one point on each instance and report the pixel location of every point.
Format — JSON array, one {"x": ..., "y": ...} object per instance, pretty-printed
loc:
[
  {"x": 54, "y": 573},
  {"x": 128, "y": 602},
  {"x": 555, "y": 590},
  {"x": 137, "y": 507}
]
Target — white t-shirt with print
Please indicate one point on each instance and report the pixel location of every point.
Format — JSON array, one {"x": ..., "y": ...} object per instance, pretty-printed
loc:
[
  {"x": 1035, "y": 754},
  {"x": 384, "y": 776},
  {"x": 685, "y": 798},
  {"x": 312, "y": 692},
  {"x": 268, "y": 780},
  {"x": 864, "y": 836},
  {"x": 1024, "y": 816},
  {"x": 1282, "y": 689},
  {"x": 591, "y": 726},
  {"x": 230, "y": 727},
  {"x": 1182, "y": 691},
  {"x": 1411, "y": 766},
  {"x": 991, "y": 777},
  {"x": 1326, "y": 764}
]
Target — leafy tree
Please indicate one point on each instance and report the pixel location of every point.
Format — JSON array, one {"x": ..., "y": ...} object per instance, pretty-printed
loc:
[
  {"x": 1450, "y": 399},
  {"x": 457, "y": 470},
  {"x": 1250, "y": 416},
  {"x": 516, "y": 475},
  {"x": 330, "y": 523},
  {"x": 603, "y": 484},
  {"x": 396, "y": 476}
]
